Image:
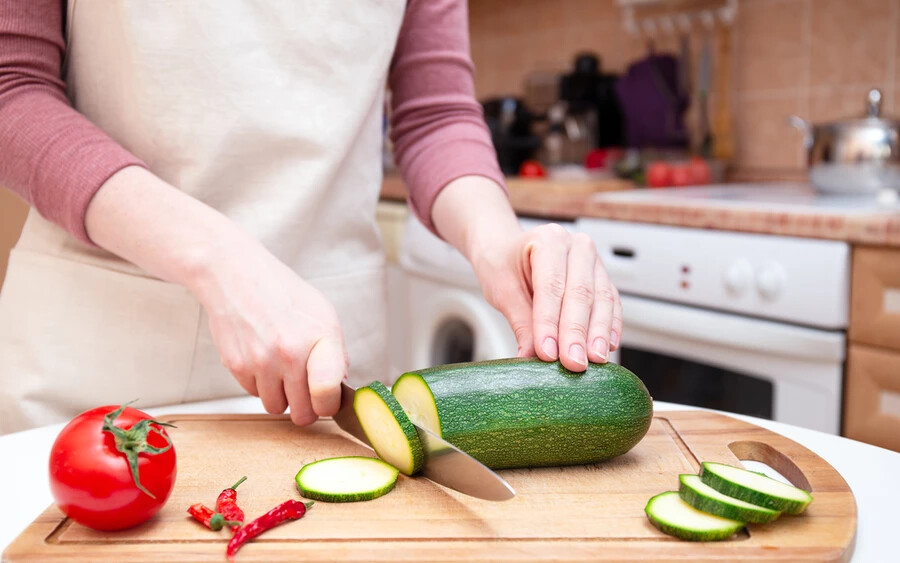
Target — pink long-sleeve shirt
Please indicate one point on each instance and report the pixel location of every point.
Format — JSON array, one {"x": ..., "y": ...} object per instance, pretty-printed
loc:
[{"x": 56, "y": 159}]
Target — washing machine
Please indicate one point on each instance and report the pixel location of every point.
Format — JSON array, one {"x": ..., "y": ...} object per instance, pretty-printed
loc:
[{"x": 448, "y": 319}]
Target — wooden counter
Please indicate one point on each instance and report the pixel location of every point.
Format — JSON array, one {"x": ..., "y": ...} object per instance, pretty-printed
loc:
[{"x": 551, "y": 199}]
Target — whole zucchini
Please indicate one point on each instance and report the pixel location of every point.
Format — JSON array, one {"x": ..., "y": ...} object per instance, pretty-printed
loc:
[{"x": 524, "y": 412}]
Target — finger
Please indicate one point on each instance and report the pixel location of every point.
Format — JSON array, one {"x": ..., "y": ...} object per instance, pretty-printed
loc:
[
  {"x": 516, "y": 307},
  {"x": 271, "y": 391},
  {"x": 615, "y": 335},
  {"x": 296, "y": 388},
  {"x": 577, "y": 303},
  {"x": 601, "y": 315},
  {"x": 548, "y": 272},
  {"x": 326, "y": 368}
]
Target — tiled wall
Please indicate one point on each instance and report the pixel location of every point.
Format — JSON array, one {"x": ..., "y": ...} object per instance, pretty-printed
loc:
[{"x": 814, "y": 58}]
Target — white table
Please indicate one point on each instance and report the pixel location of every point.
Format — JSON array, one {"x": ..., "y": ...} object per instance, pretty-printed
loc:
[{"x": 871, "y": 472}]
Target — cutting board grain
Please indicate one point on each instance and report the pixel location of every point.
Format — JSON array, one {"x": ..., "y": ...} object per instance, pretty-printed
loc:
[{"x": 579, "y": 513}]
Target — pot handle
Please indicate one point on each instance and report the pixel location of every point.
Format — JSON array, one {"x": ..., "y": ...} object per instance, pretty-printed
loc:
[{"x": 803, "y": 125}]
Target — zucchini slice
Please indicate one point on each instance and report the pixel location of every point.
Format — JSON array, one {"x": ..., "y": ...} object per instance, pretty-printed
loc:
[
  {"x": 675, "y": 517},
  {"x": 392, "y": 435},
  {"x": 755, "y": 488},
  {"x": 346, "y": 479},
  {"x": 415, "y": 395},
  {"x": 703, "y": 497}
]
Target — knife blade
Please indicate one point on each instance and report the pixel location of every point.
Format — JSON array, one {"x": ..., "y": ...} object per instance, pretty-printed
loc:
[{"x": 445, "y": 464}]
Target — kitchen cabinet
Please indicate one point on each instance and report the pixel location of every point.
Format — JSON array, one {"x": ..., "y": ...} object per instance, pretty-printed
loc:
[{"x": 872, "y": 393}]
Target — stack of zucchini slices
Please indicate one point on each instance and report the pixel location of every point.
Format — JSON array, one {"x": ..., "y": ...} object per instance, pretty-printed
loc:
[{"x": 720, "y": 501}]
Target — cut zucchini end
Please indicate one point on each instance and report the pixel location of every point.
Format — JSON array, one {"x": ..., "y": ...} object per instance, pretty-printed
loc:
[
  {"x": 414, "y": 394},
  {"x": 755, "y": 488},
  {"x": 701, "y": 496},
  {"x": 389, "y": 430},
  {"x": 671, "y": 515},
  {"x": 346, "y": 479}
]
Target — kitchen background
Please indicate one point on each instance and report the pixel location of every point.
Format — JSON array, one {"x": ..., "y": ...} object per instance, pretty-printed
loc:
[
  {"x": 813, "y": 58},
  {"x": 802, "y": 327}
]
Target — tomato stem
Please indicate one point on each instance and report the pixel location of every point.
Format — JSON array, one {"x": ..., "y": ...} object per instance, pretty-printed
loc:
[{"x": 133, "y": 441}]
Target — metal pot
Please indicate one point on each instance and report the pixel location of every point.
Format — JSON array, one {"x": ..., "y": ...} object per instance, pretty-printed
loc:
[{"x": 854, "y": 155}]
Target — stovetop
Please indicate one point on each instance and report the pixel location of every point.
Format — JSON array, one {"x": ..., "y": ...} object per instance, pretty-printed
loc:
[{"x": 796, "y": 197}]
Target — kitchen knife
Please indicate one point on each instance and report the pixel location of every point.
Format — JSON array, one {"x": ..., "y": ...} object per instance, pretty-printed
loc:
[{"x": 445, "y": 464}]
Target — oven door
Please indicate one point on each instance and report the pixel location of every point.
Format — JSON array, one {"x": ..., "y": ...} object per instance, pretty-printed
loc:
[{"x": 735, "y": 363}]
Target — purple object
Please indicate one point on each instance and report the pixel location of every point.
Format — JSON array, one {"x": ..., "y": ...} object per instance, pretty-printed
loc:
[{"x": 653, "y": 104}]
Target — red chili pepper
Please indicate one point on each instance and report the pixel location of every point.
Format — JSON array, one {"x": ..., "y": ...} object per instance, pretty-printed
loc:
[
  {"x": 226, "y": 504},
  {"x": 288, "y": 510},
  {"x": 212, "y": 520}
]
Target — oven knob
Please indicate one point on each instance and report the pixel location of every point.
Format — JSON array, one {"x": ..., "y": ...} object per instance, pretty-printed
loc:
[
  {"x": 738, "y": 276},
  {"x": 770, "y": 281}
]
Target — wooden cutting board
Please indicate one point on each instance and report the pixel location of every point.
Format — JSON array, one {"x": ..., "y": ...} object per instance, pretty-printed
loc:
[{"x": 579, "y": 513}]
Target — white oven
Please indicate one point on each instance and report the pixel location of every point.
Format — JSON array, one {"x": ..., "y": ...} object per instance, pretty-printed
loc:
[{"x": 746, "y": 323}]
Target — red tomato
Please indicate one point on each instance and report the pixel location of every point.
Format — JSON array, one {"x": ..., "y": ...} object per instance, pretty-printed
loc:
[
  {"x": 659, "y": 175},
  {"x": 699, "y": 171},
  {"x": 532, "y": 169},
  {"x": 681, "y": 175},
  {"x": 91, "y": 479}
]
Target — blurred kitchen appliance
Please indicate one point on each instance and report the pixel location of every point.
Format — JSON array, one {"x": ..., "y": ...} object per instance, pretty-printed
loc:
[
  {"x": 653, "y": 104},
  {"x": 591, "y": 96},
  {"x": 748, "y": 323},
  {"x": 448, "y": 319},
  {"x": 510, "y": 124},
  {"x": 854, "y": 155}
]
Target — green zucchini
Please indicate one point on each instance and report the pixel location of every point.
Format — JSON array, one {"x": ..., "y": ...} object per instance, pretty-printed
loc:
[
  {"x": 346, "y": 479},
  {"x": 703, "y": 497},
  {"x": 527, "y": 413},
  {"x": 755, "y": 488},
  {"x": 671, "y": 515},
  {"x": 391, "y": 434}
]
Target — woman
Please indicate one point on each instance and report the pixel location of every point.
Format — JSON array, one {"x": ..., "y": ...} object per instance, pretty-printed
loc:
[{"x": 203, "y": 180}]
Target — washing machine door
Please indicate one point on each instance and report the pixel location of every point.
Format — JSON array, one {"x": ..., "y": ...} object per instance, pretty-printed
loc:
[{"x": 462, "y": 327}]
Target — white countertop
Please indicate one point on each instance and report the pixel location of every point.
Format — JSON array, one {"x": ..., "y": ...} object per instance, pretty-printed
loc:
[{"x": 871, "y": 472}]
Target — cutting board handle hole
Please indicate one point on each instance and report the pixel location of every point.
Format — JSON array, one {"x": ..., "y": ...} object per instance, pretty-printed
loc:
[{"x": 759, "y": 456}]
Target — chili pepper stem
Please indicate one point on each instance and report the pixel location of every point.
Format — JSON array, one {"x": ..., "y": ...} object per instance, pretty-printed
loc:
[{"x": 241, "y": 480}]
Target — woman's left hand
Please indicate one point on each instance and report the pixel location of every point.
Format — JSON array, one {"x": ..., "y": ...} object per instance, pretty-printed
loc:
[
  {"x": 549, "y": 283},
  {"x": 554, "y": 291}
]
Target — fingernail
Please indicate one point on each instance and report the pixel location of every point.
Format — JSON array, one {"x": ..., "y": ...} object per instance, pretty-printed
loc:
[
  {"x": 614, "y": 339},
  {"x": 550, "y": 348},
  {"x": 576, "y": 352},
  {"x": 600, "y": 347}
]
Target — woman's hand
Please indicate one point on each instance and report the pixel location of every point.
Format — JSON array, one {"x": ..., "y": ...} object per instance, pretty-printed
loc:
[
  {"x": 554, "y": 291},
  {"x": 549, "y": 284},
  {"x": 277, "y": 334}
]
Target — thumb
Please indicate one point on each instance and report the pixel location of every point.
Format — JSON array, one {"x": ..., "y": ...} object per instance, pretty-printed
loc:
[
  {"x": 326, "y": 367},
  {"x": 517, "y": 310}
]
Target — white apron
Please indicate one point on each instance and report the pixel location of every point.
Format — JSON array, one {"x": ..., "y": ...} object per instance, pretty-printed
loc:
[{"x": 270, "y": 112}]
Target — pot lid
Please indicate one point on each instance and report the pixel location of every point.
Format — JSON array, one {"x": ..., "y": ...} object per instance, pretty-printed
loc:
[{"x": 872, "y": 116}]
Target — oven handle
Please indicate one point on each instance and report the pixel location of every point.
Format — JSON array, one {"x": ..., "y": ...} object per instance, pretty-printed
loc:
[{"x": 731, "y": 331}]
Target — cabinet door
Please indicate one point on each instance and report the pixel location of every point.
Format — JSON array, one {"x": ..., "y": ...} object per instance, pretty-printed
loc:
[
  {"x": 872, "y": 398},
  {"x": 875, "y": 297}
]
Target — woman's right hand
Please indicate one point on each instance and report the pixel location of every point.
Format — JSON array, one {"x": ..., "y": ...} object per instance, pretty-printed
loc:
[{"x": 276, "y": 333}]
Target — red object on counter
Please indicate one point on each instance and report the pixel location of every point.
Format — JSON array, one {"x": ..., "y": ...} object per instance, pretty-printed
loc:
[
  {"x": 532, "y": 169},
  {"x": 288, "y": 510},
  {"x": 681, "y": 175},
  {"x": 226, "y": 504},
  {"x": 112, "y": 468},
  {"x": 659, "y": 174},
  {"x": 699, "y": 172}
]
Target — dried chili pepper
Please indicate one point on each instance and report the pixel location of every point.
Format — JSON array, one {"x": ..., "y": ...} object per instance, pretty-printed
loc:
[
  {"x": 226, "y": 505},
  {"x": 288, "y": 510},
  {"x": 212, "y": 520}
]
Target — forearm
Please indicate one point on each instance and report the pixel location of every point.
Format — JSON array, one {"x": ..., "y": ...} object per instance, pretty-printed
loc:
[
  {"x": 471, "y": 210},
  {"x": 171, "y": 235}
]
